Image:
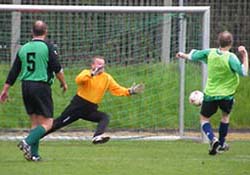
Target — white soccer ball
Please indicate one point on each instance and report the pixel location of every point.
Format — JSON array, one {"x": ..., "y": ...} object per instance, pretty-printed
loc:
[{"x": 196, "y": 98}]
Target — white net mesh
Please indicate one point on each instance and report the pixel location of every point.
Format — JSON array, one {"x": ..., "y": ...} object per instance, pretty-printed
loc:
[{"x": 133, "y": 45}]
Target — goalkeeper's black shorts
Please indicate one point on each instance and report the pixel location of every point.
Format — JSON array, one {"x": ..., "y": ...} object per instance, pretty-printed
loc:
[{"x": 37, "y": 98}]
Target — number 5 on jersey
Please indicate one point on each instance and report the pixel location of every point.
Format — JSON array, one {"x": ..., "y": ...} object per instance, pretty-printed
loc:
[{"x": 31, "y": 61}]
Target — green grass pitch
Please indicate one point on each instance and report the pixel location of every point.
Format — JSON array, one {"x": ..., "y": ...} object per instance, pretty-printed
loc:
[{"x": 126, "y": 158}]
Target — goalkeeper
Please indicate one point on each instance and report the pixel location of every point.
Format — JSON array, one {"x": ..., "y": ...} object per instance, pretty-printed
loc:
[
  {"x": 92, "y": 85},
  {"x": 224, "y": 69}
]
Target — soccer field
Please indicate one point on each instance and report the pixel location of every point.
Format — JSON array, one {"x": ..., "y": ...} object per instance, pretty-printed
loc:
[{"x": 126, "y": 158}]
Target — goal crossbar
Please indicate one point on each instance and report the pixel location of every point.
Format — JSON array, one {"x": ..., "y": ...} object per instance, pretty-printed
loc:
[{"x": 123, "y": 9}]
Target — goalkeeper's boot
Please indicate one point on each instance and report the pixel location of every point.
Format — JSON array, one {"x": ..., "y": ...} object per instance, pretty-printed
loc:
[
  {"x": 224, "y": 147},
  {"x": 214, "y": 147},
  {"x": 26, "y": 149},
  {"x": 100, "y": 139}
]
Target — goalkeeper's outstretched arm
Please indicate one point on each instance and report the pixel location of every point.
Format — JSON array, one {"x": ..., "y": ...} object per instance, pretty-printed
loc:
[{"x": 136, "y": 89}]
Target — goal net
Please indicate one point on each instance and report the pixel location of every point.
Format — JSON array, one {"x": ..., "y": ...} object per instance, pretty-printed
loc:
[{"x": 139, "y": 45}]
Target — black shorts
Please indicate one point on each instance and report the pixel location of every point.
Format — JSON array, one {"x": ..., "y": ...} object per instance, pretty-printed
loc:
[
  {"x": 209, "y": 108},
  {"x": 37, "y": 98},
  {"x": 79, "y": 108}
]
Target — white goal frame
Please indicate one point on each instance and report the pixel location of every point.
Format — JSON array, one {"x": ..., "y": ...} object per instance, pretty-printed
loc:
[{"x": 204, "y": 10}]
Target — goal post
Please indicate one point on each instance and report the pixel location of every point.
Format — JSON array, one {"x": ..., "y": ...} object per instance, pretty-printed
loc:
[{"x": 131, "y": 39}]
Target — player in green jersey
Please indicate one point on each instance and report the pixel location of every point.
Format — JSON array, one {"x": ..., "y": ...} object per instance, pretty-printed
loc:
[
  {"x": 224, "y": 69},
  {"x": 36, "y": 63}
]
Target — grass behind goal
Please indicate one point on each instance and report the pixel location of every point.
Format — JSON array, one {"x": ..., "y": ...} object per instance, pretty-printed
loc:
[{"x": 127, "y": 158}]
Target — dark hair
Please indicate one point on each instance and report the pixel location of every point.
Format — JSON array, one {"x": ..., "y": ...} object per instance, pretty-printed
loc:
[
  {"x": 225, "y": 39},
  {"x": 39, "y": 28}
]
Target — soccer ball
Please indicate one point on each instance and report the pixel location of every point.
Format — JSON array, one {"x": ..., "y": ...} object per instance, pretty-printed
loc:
[{"x": 196, "y": 98}]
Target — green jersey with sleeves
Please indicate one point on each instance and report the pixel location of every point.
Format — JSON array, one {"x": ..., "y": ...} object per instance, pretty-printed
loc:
[
  {"x": 34, "y": 58},
  {"x": 224, "y": 69},
  {"x": 35, "y": 61}
]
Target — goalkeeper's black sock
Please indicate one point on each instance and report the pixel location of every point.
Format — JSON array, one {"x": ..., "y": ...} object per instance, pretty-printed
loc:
[{"x": 223, "y": 129}]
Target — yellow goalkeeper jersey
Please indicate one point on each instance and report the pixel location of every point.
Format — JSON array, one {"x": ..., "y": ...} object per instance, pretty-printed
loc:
[{"x": 93, "y": 88}]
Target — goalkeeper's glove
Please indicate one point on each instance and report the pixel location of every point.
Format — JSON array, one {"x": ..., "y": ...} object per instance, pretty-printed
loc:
[
  {"x": 136, "y": 89},
  {"x": 96, "y": 71}
]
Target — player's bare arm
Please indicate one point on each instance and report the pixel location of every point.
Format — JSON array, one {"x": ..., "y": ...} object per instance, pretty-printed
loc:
[
  {"x": 60, "y": 77},
  {"x": 182, "y": 55},
  {"x": 242, "y": 50},
  {"x": 4, "y": 94}
]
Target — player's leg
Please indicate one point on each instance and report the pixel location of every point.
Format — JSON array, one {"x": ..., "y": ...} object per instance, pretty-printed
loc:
[
  {"x": 226, "y": 107},
  {"x": 66, "y": 118},
  {"x": 223, "y": 130},
  {"x": 35, "y": 146},
  {"x": 44, "y": 124},
  {"x": 88, "y": 111},
  {"x": 39, "y": 105},
  {"x": 207, "y": 110},
  {"x": 103, "y": 120},
  {"x": 30, "y": 144},
  {"x": 70, "y": 114},
  {"x": 34, "y": 151}
]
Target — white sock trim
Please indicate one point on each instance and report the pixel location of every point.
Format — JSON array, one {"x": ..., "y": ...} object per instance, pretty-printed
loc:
[{"x": 204, "y": 122}]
